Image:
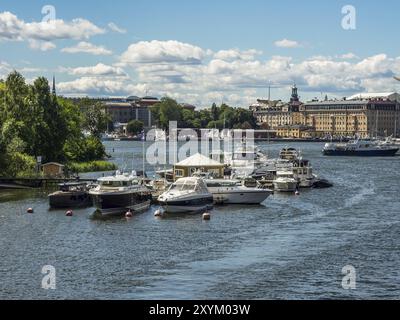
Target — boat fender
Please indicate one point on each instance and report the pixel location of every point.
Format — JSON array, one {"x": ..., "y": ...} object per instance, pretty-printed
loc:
[
  {"x": 128, "y": 214},
  {"x": 69, "y": 213},
  {"x": 206, "y": 216},
  {"x": 158, "y": 213}
]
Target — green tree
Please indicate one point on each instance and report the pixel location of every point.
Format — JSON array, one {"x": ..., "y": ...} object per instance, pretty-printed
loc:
[
  {"x": 214, "y": 112},
  {"x": 95, "y": 116},
  {"x": 165, "y": 111},
  {"x": 135, "y": 127}
]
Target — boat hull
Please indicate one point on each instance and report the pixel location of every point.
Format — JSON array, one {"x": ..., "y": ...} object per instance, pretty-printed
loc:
[
  {"x": 115, "y": 204},
  {"x": 285, "y": 186},
  {"x": 362, "y": 153},
  {"x": 242, "y": 197},
  {"x": 187, "y": 205},
  {"x": 70, "y": 200}
]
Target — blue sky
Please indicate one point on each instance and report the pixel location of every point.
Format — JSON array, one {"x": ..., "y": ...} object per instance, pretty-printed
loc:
[{"x": 204, "y": 51}]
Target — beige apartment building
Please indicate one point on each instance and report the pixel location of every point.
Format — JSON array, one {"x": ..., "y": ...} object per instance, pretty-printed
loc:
[{"x": 365, "y": 115}]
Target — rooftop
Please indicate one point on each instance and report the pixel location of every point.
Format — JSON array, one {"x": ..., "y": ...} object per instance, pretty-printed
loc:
[{"x": 199, "y": 160}]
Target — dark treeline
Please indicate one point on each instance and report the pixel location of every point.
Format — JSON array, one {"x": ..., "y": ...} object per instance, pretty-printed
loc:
[{"x": 34, "y": 122}]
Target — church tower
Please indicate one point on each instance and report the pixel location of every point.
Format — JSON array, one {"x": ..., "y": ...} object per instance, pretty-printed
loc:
[{"x": 53, "y": 91}]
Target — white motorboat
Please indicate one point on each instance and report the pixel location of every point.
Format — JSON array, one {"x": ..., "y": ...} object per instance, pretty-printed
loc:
[
  {"x": 285, "y": 181},
  {"x": 186, "y": 195},
  {"x": 234, "y": 192},
  {"x": 120, "y": 193},
  {"x": 303, "y": 172},
  {"x": 290, "y": 154}
]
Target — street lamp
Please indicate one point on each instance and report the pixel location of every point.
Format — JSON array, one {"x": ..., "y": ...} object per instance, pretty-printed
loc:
[{"x": 395, "y": 117}]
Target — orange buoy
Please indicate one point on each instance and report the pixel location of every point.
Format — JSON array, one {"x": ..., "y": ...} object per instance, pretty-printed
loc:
[
  {"x": 128, "y": 214},
  {"x": 30, "y": 210},
  {"x": 69, "y": 213},
  {"x": 206, "y": 216}
]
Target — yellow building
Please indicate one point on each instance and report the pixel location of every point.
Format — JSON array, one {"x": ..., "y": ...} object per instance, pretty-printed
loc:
[
  {"x": 198, "y": 163},
  {"x": 365, "y": 115},
  {"x": 295, "y": 131},
  {"x": 53, "y": 170},
  {"x": 274, "y": 114},
  {"x": 362, "y": 117}
]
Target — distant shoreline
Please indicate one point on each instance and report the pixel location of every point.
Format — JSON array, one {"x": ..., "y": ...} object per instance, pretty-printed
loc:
[{"x": 255, "y": 139}]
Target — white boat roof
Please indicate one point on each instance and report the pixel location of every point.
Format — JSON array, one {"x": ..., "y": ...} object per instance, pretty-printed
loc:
[
  {"x": 199, "y": 160},
  {"x": 284, "y": 172},
  {"x": 189, "y": 180},
  {"x": 117, "y": 178}
]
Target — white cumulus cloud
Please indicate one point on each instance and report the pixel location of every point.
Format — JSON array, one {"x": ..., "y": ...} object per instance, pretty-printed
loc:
[
  {"x": 96, "y": 71},
  {"x": 115, "y": 28},
  {"x": 162, "y": 52},
  {"x": 87, "y": 47},
  {"x": 13, "y": 28},
  {"x": 285, "y": 43}
]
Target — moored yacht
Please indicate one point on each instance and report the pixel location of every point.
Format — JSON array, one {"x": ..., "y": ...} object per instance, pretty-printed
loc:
[
  {"x": 70, "y": 195},
  {"x": 186, "y": 195},
  {"x": 120, "y": 193},
  {"x": 285, "y": 181},
  {"x": 234, "y": 192}
]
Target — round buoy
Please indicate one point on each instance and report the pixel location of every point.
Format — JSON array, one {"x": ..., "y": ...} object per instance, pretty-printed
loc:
[
  {"x": 206, "y": 216},
  {"x": 69, "y": 213},
  {"x": 159, "y": 213},
  {"x": 297, "y": 193},
  {"x": 30, "y": 210},
  {"x": 128, "y": 214}
]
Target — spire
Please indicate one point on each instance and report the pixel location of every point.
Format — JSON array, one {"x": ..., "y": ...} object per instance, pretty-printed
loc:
[
  {"x": 295, "y": 96},
  {"x": 54, "y": 85}
]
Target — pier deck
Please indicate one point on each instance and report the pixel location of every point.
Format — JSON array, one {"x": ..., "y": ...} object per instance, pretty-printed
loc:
[{"x": 31, "y": 183}]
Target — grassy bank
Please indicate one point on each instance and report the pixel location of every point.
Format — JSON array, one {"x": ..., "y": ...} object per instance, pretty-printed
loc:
[{"x": 91, "y": 166}]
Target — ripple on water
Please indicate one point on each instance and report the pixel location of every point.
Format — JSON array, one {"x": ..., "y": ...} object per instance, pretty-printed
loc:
[{"x": 289, "y": 248}]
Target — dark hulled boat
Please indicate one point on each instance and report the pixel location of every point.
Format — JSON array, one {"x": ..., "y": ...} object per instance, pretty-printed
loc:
[
  {"x": 120, "y": 193},
  {"x": 360, "y": 148},
  {"x": 70, "y": 195}
]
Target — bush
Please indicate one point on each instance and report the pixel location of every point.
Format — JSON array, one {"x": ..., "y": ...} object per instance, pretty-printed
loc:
[{"x": 91, "y": 166}]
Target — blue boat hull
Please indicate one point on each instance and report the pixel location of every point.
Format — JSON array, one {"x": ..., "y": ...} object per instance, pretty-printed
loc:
[{"x": 364, "y": 153}]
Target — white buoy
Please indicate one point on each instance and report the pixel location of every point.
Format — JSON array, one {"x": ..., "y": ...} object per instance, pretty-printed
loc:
[
  {"x": 128, "y": 214},
  {"x": 30, "y": 210},
  {"x": 297, "y": 193},
  {"x": 158, "y": 213},
  {"x": 69, "y": 213},
  {"x": 206, "y": 216}
]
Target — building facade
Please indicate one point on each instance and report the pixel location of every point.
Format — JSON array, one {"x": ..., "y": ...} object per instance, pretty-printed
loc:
[
  {"x": 273, "y": 114},
  {"x": 363, "y": 115},
  {"x": 364, "y": 118},
  {"x": 122, "y": 111}
]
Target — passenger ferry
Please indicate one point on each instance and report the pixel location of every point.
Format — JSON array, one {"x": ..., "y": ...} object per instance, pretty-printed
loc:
[{"x": 360, "y": 148}]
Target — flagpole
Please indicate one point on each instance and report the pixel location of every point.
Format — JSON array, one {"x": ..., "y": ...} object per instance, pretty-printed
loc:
[{"x": 143, "y": 140}]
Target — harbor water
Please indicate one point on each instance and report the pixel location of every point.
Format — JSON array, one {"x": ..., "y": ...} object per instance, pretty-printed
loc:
[{"x": 291, "y": 247}]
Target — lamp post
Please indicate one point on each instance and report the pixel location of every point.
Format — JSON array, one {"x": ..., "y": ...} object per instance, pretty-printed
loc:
[{"x": 396, "y": 113}]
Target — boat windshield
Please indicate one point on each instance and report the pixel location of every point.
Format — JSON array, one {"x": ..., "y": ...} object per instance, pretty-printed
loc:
[
  {"x": 183, "y": 186},
  {"x": 214, "y": 184},
  {"x": 115, "y": 184}
]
